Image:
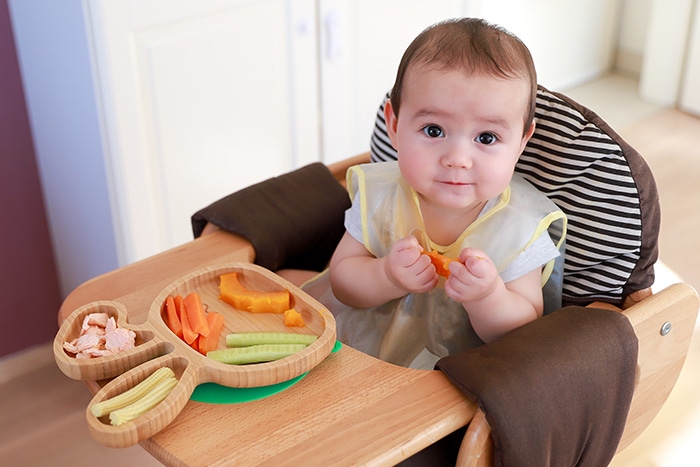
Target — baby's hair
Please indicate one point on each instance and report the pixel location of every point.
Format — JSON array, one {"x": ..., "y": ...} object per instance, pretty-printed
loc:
[{"x": 470, "y": 45}]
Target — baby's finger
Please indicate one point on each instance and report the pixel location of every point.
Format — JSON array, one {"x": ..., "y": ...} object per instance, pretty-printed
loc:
[
  {"x": 428, "y": 284},
  {"x": 467, "y": 252},
  {"x": 477, "y": 265},
  {"x": 409, "y": 256}
]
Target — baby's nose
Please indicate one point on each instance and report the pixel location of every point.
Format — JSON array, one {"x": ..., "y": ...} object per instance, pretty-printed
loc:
[{"x": 458, "y": 157}]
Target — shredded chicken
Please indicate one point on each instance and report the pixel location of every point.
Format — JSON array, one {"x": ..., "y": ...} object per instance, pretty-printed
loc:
[{"x": 100, "y": 336}]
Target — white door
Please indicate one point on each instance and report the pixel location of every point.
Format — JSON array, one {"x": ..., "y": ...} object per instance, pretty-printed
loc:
[
  {"x": 199, "y": 99},
  {"x": 671, "y": 68},
  {"x": 690, "y": 91},
  {"x": 362, "y": 44},
  {"x": 571, "y": 41}
]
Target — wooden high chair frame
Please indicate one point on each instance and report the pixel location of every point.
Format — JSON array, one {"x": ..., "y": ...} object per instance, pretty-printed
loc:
[
  {"x": 388, "y": 412},
  {"x": 663, "y": 323}
]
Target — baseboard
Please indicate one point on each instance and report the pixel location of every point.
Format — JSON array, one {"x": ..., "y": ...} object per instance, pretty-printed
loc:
[{"x": 25, "y": 361}]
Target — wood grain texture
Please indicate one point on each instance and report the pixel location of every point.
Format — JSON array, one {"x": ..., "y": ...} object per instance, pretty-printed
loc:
[
  {"x": 661, "y": 356},
  {"x": 154, "y": 339}
]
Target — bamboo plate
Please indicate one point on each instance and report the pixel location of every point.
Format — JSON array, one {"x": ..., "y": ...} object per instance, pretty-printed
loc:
[{"x": 157, "y": 346}]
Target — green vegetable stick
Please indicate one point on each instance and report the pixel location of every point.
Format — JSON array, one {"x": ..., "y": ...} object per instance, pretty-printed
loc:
[
  {"x": 254, "y": 353},
  {"x": 244, "y": 339}
]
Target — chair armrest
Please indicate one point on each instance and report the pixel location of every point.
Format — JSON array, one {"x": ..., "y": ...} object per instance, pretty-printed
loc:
[
  {"x": 339, "y": 169},
  {"x": 293, "y": 221},
  {"x": 661, "y": 356},
  {"x": 476, "y": 449},
  {"x": 534, "y": 386}
]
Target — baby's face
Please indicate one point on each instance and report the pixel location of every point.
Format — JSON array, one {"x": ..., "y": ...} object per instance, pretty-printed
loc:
[{"x": 459, "y": 136}]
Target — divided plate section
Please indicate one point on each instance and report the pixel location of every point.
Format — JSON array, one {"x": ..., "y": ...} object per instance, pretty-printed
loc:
[
  {"x": 318, "y": 321},
  {"x": 109, "y": 366}
]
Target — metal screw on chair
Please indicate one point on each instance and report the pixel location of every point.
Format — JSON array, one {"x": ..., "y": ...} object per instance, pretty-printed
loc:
[{"x": 665, "y": 328}]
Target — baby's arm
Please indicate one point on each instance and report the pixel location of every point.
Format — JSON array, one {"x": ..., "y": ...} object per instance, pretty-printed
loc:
[
  {"x": 495, "y": 308},
  {"x": 361, "y": 280}
]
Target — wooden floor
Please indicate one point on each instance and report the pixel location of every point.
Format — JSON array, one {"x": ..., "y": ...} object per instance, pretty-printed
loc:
[{"x": 42, "y": 412}]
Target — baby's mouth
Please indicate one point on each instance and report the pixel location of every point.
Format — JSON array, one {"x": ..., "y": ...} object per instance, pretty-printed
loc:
[{"x": 455, "y": 183}]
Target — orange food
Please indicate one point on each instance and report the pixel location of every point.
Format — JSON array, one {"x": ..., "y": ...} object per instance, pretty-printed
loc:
[
  {"x": 210, "y": 342},
  {"x": 293, "y": 318},
  {"x": 178, "y": 304},
  {"x": 192, "y": 305},
  {"x": 195, "y": 343},
  {"x": 179, "y": 314},
  {"x": 440, "y": 262},
  {"x": 233, "y": 293},
  {"x": 172, "y": 318},
  {"x": 188, "y": 334}
]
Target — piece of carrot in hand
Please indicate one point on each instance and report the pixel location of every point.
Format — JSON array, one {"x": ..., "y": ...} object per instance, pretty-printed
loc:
[{"x": 441, "y": 263}]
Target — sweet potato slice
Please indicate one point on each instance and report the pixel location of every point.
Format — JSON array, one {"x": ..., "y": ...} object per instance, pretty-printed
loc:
[{"x": 233, "y": 293}]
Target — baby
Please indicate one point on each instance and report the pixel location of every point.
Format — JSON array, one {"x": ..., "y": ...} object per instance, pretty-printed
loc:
[{"x": 460, "y": 114}]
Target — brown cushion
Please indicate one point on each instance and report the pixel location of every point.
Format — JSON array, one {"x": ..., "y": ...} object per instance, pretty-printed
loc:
[
  {"x": 557, "y": 391},
  {"x": 293, "y": 221}
]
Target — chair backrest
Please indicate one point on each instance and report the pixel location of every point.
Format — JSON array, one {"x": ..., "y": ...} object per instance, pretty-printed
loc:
[{"x": 602, "y": 184}]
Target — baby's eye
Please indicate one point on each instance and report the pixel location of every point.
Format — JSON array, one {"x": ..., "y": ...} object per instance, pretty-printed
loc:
[
  {"x": 486, "y": 138},
  {"x": 433, "y": 131}
]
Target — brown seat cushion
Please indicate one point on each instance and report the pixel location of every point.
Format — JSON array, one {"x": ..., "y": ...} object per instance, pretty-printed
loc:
[
  {"x": 557, "y": 391},
  {"x": 293, "y": 221}
]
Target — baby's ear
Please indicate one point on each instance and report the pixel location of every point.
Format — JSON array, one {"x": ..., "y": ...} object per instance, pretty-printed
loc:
[
  {"x": 391, "y": 122},
  {"x": 527, "y": 136},
  {"x": 529, "y": 133}
]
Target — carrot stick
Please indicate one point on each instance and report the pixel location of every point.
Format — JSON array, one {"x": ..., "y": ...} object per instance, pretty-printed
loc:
[
  {"x": 171, "y": 317},
  {"x": 195, "y": 343},
  {"x": 195, "y": 313},
  {"x": 178, "y": 305},
  {"x": 188, "y": 334},
  {"x": 210, "y": 342}
]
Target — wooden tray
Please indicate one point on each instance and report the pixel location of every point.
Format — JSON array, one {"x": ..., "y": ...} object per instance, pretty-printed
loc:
[{"x": 157, "y": 346}]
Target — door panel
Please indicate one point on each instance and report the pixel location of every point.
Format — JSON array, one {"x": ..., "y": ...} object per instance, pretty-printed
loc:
[
  {"x": 570, "y": 42},
  {"x": 690, "y": 92},
  {"x": 360, "y": 53},
  {"x": 199, "y": 101}
]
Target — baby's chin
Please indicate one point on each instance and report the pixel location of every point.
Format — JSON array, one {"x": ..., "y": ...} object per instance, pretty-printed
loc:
[{"x": 454, "y": 201}]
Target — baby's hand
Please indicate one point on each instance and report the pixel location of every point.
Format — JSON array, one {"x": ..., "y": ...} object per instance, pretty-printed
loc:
[
  {"x": 406, "y": 267},
  {"x": 472, "y": 278}
]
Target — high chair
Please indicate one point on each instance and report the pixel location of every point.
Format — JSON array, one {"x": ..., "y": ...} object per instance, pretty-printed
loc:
[{"x": 607, "y": 359}]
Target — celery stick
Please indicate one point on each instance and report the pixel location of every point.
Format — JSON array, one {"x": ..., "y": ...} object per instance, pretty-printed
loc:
[
  {"x": 244, "y": 339},
  {"x": 254, "y": 353}
]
